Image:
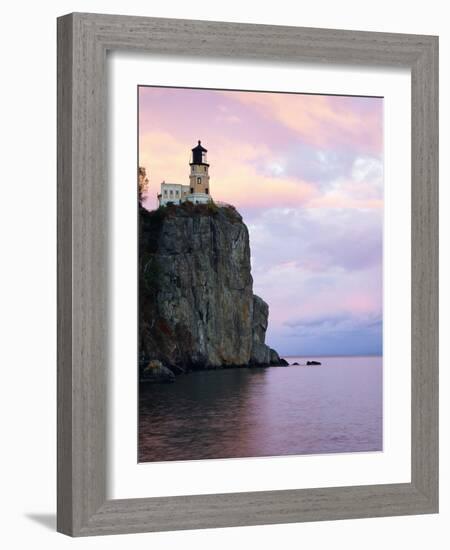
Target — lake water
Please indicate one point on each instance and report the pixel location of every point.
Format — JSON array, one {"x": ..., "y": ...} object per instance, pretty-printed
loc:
[{"x": 332, "y": 408}]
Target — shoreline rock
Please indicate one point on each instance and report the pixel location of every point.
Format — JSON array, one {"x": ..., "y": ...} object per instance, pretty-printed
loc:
[
  {"x": 167, "y": 375},
  {"x": 156, "y": 372}
]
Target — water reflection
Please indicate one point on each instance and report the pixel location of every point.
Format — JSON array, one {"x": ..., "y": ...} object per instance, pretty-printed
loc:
[{"x": 336, "y": 407}]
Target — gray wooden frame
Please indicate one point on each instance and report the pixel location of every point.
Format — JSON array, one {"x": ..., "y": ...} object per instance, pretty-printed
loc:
[{"x": 83, "y": 41}]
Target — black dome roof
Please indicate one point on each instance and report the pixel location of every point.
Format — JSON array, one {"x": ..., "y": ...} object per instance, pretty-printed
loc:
[{"x": 199, "y": 147}]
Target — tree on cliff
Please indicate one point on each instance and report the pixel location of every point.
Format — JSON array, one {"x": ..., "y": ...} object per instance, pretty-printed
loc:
[{"x": 143, "y": 183}]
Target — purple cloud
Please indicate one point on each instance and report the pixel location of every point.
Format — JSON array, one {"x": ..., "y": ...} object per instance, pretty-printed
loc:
[
  {"x": 320, "y": 271},
  {"x": 316, "y": 240}
]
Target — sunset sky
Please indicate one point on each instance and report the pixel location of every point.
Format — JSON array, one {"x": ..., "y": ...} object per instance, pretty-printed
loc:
[{"x": 306, "y": 173}]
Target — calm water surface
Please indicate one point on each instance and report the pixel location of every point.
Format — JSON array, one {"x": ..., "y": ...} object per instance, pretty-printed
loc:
[{"x": 335, "y": 407}]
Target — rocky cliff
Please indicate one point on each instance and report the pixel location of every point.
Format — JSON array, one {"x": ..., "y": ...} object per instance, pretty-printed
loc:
[{"x": 196, "y": 303}]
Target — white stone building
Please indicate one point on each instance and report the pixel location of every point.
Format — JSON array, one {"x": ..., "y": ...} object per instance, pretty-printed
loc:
[
  {"x": 198, "y": 190},
  {"x": 173, "y": 193}
]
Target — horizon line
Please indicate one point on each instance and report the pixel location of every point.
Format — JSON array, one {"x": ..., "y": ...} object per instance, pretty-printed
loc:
[{"x": 334, "y": 355}]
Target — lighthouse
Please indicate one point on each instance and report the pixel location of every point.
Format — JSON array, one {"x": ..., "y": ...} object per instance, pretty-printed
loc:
[{"x": 198, "y": 191}]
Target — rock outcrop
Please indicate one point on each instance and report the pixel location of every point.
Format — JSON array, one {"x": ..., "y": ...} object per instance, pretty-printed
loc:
[
  {"x": 261, "y": 354},
  {"x": 196, "y": 304},
  {"x": 155, "y": 371}
]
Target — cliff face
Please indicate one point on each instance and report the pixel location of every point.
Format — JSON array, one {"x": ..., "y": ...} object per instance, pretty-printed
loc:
[{"x": 197, "y": 307}]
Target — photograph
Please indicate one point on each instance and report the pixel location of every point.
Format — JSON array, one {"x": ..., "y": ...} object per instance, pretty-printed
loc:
[
  {"x": 225, "y": 275},
  {"x": 260, "y": 273}
]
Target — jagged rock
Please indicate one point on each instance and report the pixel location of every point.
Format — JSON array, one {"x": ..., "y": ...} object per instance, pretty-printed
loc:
[
  {"x": 196, "y": 303},
  {"x": 260, "y": 352},
  {"x": 155, "y": 371},
  {"x": 313, "y": 363},
  {"x": 274, "y": 357},
  {"x": 276, "y": 360}
]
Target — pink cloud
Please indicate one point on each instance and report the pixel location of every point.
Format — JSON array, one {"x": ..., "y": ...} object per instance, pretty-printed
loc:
[
  {"x": 322, "y": 121},
  {"x": 235, "y": 178},
  {"x": 236, "y": 182}
]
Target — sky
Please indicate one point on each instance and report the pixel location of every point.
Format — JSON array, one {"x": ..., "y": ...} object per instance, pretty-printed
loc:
[{"x": 306, "y": 173}]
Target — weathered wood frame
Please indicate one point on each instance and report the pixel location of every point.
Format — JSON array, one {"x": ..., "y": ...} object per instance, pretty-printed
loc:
[{"x": 83, "y": 41}]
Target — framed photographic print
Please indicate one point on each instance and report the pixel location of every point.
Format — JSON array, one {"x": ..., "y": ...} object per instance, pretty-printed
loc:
[
  {"x": 287, "y": 202},
  {"x": 247, "y": 274}
]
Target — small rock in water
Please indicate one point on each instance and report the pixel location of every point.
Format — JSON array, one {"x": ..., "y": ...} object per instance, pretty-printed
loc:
[
  {"x": 313, "y": 363},
  {"x": 295, "y": 363}
]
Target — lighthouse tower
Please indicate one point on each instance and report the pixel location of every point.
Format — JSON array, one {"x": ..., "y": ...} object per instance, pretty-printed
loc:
[
  {"x": 199, "y": 176},
  {"x": 198, "y": 190}
]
